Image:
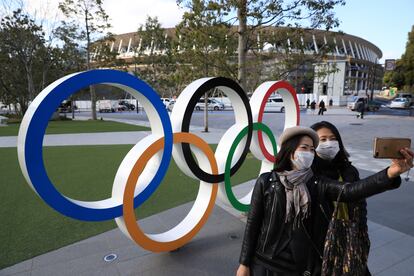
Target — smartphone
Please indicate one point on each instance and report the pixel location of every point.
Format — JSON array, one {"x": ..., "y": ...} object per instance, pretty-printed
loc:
[{"x": 389, "y": 147}]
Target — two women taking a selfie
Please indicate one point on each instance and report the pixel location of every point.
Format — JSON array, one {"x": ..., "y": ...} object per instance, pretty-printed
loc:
[{"x": 293, "y": 207}]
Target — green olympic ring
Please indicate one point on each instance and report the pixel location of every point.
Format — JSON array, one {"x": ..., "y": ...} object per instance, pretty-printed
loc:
[{"x": 227, "y": 181}]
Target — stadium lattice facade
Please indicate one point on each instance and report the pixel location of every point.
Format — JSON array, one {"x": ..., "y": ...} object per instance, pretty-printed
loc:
[{"x": 352, "y": 62}]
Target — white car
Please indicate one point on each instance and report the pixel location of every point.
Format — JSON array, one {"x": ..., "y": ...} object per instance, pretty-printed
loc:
[
  {"x": 400, "y": 103},
  {"x": 408, "y": 96},
  {"x": 352, "y": 103},
  {"x": 212, "y": 104},
  {"x": 107, "y": 106},
  {"x": 274, "y": 104}
]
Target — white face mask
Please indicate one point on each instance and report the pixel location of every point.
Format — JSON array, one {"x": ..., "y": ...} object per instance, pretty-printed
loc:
[
  {"x": 303, "y": 159},
  {"x": 328, "y": 150}
]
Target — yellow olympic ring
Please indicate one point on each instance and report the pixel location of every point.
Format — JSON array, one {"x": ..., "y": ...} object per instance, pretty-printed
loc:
[{"x": 195, "y": 219}]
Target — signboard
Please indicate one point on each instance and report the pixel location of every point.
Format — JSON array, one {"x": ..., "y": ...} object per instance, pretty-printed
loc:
[{"x": 389, "y": 64}]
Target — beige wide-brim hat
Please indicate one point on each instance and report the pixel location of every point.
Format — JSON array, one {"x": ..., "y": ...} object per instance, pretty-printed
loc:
[{"x": 299, "y": 130}]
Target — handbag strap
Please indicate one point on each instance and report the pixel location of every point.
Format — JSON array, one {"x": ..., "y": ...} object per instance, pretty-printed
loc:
[
  {"x": 311, "y": 241},
  {"x": 335, "y": 212}
]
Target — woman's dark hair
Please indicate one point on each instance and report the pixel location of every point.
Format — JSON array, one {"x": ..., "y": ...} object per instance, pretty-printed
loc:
[
  {"x": 342, "y": 156},
  {"x": 287, "y": 149}
]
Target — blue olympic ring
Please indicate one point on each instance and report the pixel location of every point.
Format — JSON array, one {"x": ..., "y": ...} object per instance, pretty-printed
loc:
[{"x": 36, "y": 131}]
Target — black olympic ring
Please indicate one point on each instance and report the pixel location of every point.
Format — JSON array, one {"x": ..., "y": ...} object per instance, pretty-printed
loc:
[{"x": 193, "y": 166}]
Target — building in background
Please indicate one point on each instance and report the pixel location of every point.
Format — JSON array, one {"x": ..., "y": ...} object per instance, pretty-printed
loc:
[
  {"x": 350, "y": 66},
  {"x": 355, "y": 70}
]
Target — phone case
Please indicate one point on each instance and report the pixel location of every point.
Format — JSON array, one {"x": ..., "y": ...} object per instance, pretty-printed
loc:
[{"x": 389, "y": 147}]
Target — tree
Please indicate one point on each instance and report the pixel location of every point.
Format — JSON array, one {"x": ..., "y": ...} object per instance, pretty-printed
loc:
[
  {"x": 157, "y": 55},
  {"x": 152, "y": 44},
  {"x": 94, "y": 21},
  {"x": 72, "y": 55},
  {"x": 403, "y": 75},
  {"x": 12, "y": 89},
  {"x": 22, "y": 53},
  {"x": 407, "y": 63},
  {"x": 395, "y": 78},
  {"x": 205, "y": 48},
  {"x": 104, "y": 57},
  {"x": 253, "y": 16},
  {"x": 205, "y": 43},
  {"x": 398, "y": 79},
  {"x": 154, "y": 50}
]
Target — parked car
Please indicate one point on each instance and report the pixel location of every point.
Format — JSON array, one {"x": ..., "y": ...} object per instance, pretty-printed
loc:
[
  {"x": 370, "y": 106},
  {"x": 400, "y": 103},
  {"x": 274, "y": 104},
  {"x": 125, "y": 106},
  {"x": 408, "y": 96},
  {"x": 353, "y": 102},
  {"x": 212, "y": 104},
  {"x": 66, "y": 107},
  {"x": 373, "y": 106},
  {"x": 107, "y": 106}
]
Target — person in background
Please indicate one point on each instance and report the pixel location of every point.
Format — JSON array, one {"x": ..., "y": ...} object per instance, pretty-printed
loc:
[
  {"x": 321, "y": 107},
  {"x": 313, "y": 106},
  {"x": 284, "y": 231},
  {"x": 331, "y": 160},
  {"x": 307, "y": 103},
  {"x": 361, "y": 108}
]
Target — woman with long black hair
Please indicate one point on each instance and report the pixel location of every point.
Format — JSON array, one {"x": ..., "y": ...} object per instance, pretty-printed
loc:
[{"x": 332, "y": 161}]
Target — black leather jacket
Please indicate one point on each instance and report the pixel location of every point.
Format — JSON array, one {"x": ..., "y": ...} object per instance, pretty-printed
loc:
[
  {"x": 348, "y": 173},
  {"x": 266, "y": 220}
]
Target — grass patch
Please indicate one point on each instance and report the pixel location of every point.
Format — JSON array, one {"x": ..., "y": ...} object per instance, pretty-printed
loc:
[
  {"x": 29, "y": 227},
  {"x": 63, "y": 127}
]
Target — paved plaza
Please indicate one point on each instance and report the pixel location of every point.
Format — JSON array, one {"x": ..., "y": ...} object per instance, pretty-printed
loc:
[{"x": 215, "y": 249}]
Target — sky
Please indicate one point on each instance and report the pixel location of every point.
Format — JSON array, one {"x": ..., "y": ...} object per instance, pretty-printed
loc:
[{"x": 384, "y": 23}]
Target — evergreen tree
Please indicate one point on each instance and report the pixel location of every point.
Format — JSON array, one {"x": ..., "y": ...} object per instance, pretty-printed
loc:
[
  {"x": 156, "y": 50},
  {"x": 407, "y": 62},
  {"x": 22, "y": 53},
  {"x": 403, "y": 75}
]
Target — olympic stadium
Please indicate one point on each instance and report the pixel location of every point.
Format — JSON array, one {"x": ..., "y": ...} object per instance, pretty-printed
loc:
[{"x": 350, "y": 64}]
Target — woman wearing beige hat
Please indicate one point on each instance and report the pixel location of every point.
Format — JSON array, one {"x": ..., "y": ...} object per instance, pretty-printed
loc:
[{"x": 283, "y": 234}]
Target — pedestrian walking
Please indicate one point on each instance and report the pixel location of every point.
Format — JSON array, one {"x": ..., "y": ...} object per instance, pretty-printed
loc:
[
  {"x": 307, "y": 103},
  {"x": 284, "y": 233},
  {"x": 322, "y": 108},
  {"x": 361, "y": 108}
]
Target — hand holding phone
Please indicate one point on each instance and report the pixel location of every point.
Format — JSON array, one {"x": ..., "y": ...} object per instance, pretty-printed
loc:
[{"x": 401, "y": 165}]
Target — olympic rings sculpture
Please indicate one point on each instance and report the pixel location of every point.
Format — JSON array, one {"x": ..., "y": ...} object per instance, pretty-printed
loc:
[{"x": 145, "y": 165}]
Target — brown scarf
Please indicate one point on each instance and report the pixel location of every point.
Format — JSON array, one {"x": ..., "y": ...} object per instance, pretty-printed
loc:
[{"x": 297, "y": 194}]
